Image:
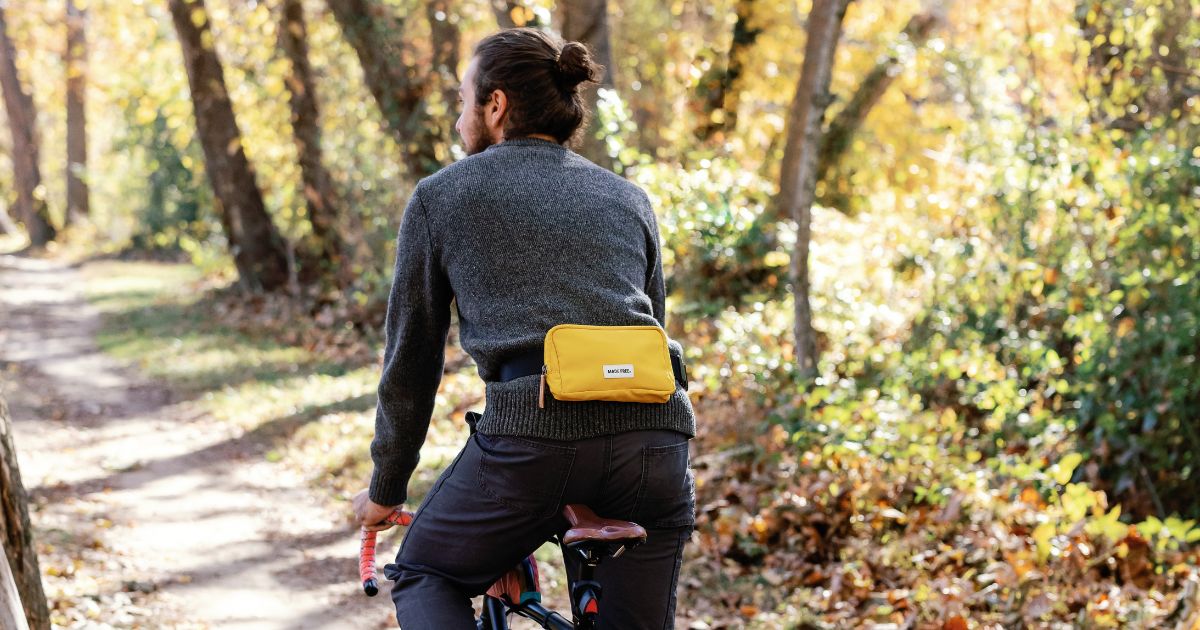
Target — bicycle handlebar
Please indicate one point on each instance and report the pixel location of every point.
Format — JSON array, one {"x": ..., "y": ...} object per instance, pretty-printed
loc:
[{"x": 366, "y": 551}]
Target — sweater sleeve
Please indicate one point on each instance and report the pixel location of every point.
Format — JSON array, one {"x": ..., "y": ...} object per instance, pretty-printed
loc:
[{"x": 417, "y": 322}]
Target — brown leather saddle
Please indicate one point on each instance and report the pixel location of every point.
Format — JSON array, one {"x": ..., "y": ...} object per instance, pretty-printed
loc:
[{"x": 608, "y": 537}]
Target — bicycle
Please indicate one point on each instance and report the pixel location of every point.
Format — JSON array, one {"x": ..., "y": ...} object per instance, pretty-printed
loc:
[{"x": 519, "y": 591}]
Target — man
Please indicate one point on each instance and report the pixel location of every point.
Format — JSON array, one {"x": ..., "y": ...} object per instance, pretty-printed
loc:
[{"x": 525, "y": 234}]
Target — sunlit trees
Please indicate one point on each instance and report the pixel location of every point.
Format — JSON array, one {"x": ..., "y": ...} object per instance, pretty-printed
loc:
[
  {"x": 22, "y": 122},
  {"x": 721, "y": 87},
  {"x": 254, "y": 241},
  {"x": 397, "y": 80}
]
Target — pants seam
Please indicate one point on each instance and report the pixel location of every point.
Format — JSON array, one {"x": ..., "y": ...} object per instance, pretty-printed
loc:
[
  {"x": 669, "y": 618},
  {"x": 432, "y": 493},
  {"x": 607, "y": 474},
  {"x": 641, "y": 492}
]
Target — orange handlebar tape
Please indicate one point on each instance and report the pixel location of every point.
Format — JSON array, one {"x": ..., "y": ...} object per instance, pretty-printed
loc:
[{"x": 366, "y": 552}]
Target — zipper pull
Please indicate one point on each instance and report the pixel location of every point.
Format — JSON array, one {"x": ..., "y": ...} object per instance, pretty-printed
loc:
[{"x": 542, "y": 389}]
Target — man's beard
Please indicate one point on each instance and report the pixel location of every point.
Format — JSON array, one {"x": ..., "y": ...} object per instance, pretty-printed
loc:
[{"x": 482, "y": 139}]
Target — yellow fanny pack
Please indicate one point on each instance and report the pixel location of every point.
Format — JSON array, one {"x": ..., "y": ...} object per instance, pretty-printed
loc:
[{"x": 616, "y": 363}]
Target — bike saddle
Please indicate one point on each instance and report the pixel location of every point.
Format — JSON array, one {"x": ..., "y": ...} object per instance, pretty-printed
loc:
[{"x": 599, "y": 537}]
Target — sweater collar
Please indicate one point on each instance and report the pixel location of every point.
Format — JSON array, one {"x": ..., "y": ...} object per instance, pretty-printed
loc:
[{"x": 528, "y": 141}]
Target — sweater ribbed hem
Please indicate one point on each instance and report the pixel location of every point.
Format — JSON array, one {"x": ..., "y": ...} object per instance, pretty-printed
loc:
[{"x": 512, "y": 409}]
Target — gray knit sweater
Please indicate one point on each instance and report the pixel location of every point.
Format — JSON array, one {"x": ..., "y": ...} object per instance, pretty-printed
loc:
[{"x": 522, "y": 236}]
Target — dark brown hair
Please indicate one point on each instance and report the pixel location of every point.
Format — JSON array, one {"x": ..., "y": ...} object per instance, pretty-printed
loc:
[{"x": 540, "y": 75}]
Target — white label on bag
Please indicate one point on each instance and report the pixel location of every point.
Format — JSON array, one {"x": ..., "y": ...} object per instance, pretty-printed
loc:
[{"x": 623, "y": 370}]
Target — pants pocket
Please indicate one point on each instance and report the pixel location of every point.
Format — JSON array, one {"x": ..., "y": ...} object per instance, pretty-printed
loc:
[
  {"x": 525, "y": 475},
  {"x": 666, "y": 495}
]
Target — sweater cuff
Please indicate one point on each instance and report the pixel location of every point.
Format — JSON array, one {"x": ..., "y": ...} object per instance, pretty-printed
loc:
[{"x": 388, "y": 492}]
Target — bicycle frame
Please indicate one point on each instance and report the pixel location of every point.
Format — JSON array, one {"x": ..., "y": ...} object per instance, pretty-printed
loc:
[
  {"x": 584, "y": 594},
  {"x": 495, "y": 616}
]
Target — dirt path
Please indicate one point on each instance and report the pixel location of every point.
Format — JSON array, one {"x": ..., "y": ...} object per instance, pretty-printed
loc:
[{"x": 151, "y": 513}]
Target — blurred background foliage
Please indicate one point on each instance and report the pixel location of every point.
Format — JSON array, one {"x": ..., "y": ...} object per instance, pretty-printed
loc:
[{"x": 1004, "y": 259}]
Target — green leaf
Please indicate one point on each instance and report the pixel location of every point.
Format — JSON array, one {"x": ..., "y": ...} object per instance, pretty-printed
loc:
[
  {"x": 1178, "y": 528},
  {"x": 1076, "y": 500},
  {"x": 1109, "y": 525},
  {"x": 1042, "y": 535},
  {"x": 1150, "y": 527},
  {"x": 1065, "y": 467}
]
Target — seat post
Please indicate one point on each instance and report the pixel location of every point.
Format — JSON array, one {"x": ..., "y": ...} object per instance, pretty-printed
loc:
[
  {"x": 585, "y": 591},
  {"x": 594, "y": 539}
]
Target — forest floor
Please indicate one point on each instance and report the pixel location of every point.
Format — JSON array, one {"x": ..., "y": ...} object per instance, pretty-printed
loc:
[{"x": 149, "y": 511}]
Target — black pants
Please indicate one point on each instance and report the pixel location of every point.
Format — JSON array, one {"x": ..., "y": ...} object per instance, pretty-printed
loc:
[{"x": 502, "y": 498}]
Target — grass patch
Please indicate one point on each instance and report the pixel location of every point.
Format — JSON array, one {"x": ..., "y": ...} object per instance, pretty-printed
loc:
[
  {"x": 156, "y": 317},
  {"x": 265, "y": 366}
]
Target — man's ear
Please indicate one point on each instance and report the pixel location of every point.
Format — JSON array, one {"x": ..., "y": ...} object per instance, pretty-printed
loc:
[{"x": 497, "y": 108}]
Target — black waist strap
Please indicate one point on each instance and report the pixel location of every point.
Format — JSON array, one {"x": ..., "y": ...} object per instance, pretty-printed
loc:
[
  {"x": 531, "y": 363},
  {"x": 521, "y": 365}
]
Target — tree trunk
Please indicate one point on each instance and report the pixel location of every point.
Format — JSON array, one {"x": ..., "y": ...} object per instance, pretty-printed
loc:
[
  {"x": 1111, "y": 68},
  {"x": 12, "y": 615},
  {"x": 76, "y": 63},
  {"x": 722, "y": 90},
  {"x": 16, "y": 534},
  {"x": 514, "y": 13},
  {"x": 257, "y": 247},
  {"x": 332, "y": 249},
  {"x": 586, "y": 21},
  {"x": 839, "y": 133},
  {"x": 443, "y": 77},
  {"x": 799, "y": 170},
  {"x": 1171, "y": 98},
  {"x": 398, "y": 86},
  {"x": 22, "y": 120},
  {"x": 837, "y": 138}
]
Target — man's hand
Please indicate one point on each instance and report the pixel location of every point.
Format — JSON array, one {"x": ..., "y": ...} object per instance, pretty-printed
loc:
[{"x": 370, "y": 514}]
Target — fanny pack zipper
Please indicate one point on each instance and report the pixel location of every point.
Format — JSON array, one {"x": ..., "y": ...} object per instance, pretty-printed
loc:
[{"x": 542, "y": 389}]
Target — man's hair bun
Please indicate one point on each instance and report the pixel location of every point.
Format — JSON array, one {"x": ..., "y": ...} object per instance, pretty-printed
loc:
[{"x": 575, "y": 65}]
